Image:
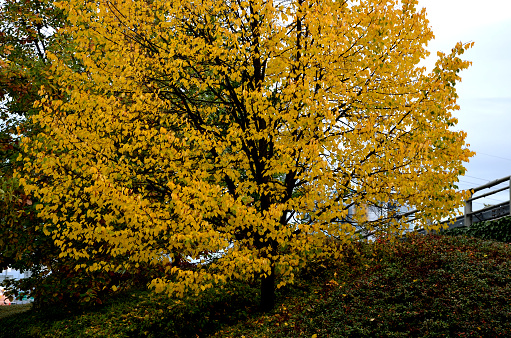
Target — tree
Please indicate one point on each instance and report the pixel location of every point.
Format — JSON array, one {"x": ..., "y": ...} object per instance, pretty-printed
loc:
[
  {"x": 27, "y": 32},
  {"x": 241, "y": 131}
]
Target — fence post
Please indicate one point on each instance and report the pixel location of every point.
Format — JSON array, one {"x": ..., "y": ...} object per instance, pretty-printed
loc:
[
  {"x": 509, "y": 195},
  {"x": 468, "y": 209}
]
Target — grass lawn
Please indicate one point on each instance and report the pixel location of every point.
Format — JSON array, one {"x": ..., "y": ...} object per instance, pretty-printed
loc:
[
  {"x": 8, "y": 310},
  {"x": 427, "y": 286}
]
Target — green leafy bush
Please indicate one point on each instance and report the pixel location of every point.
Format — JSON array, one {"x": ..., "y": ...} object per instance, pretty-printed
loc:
[
  {"x": 427, "y": 286},
  {"x": 497, "y": 230},
  {"x": 136, "y": 313}
]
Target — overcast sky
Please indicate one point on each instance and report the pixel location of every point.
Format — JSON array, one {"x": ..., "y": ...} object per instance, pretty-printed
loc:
[{"x": 485, "y": 90}]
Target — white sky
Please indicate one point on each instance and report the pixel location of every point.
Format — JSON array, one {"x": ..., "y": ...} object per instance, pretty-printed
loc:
[{"x": 485, "y": 91}]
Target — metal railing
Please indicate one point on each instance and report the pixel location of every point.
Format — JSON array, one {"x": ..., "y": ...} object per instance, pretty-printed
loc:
[
  {"x": 471, "y": 216},
  {"x": 489, "y": 212}
]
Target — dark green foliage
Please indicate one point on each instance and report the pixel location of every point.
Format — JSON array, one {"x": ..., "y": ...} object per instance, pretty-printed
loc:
[
  {"x": 497, "y": 230},
  {"x": 426, "y": 286},
  {"x": 139, "y": 314},
  {"x": 430, "y": 286}
]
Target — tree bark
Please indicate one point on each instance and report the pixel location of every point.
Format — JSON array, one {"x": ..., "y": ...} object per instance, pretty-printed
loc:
[{"x": 267, "y": 301}]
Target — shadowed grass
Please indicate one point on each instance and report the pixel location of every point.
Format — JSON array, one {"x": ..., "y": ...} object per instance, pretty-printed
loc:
[{"x": 9, "y": 310}]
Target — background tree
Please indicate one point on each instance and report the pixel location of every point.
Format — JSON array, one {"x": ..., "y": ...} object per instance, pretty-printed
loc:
[
  {"x": 242, "y": 128},
  {"x": 27, "y": 32}
]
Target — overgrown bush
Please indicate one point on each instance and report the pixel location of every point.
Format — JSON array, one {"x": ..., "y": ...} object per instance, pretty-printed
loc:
[
  {"x": 139, "y": 313},
  {"x": 497, "y": 230},
  {"x": 427, "y": 286}
]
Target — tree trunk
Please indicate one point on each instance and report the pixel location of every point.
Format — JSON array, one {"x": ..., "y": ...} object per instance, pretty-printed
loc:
[{"x": 267, "y": 301}]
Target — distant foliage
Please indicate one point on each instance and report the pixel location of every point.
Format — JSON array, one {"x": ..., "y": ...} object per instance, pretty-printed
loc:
[
  {"x": 498, "y": 230},
  {"x": 27, "y": 34}
]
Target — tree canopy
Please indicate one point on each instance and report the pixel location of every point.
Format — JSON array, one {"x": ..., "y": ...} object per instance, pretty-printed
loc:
[
  {"x": 26, "y": 33},
  {"x": 239, "y": 133}
]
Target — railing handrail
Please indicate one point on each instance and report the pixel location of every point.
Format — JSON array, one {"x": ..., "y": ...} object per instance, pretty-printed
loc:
[
  {"x": 487, "y": 194},
  {"x": 467, "y": 213},
  {"x": 494, "y": 206},
  {"x": 492, "y": 183}
]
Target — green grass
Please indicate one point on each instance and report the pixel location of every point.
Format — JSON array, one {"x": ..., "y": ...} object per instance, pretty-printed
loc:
[
  {"x": 427, "y": 286},
  {"x": 8, "y": 310}
]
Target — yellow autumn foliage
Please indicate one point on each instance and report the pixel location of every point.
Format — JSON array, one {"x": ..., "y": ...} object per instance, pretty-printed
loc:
[{"x": 248, "y": 128}]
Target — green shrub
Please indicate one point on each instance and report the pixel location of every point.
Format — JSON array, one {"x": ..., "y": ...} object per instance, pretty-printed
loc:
[
  {"x": 427, "y": 286},
  {"x": 497, "y": 230}
]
